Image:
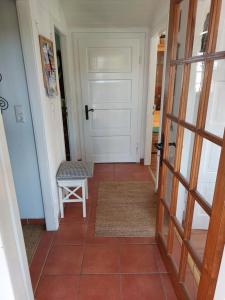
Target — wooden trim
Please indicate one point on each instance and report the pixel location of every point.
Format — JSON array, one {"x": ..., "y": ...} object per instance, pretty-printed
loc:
[
  {"x": 202, "y": 132},
  {"x": 203, "y": 57},
  {"x": 216, "y": 236},
  {"x": 178, "y": 287}
]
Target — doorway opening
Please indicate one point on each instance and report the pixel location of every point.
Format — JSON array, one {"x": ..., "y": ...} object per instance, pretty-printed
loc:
[
  {"x": 62, "y": 93},
  {"x": 157, "y": 107}
]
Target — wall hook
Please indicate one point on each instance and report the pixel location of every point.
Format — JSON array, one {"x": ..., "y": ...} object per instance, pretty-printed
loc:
[{"x": 3, "y": 104}]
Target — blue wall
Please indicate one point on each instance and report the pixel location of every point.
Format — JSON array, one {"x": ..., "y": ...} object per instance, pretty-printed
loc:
[{"x": 20, "y": 136}]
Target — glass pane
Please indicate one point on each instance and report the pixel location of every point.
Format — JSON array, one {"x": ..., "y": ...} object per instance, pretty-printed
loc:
[
  {"x": 194, "y": 90},
  {"x": 192, "y": 278},
  {"x": 172, "y": 142},
  {"x": 186, "y": 156},
  {"x": 220, "y": 45},
  {"x": 168, "y": 187},
  {"x": 165, "y": 228},
  {"x": 201, "y": 27},
  {"x": 199, "y": 230},
  {"x": 215, "y": 121},
  {"x": 181, "y": 34},
  {"x": 176, "y": 250},
  {"x": 208, "y": 170},
  {"x": 177, "y": 90},
  {"x": 181, "y": 204}
]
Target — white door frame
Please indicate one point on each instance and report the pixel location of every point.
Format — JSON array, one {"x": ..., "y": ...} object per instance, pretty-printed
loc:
[
  {"x": 15, "y": 280},
  {"x": 141, "y": 36},
  {"x": 151, "y": 95}
]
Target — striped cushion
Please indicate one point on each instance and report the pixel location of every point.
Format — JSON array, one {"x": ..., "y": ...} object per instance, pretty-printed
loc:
[{"x": 74, "y": 170}]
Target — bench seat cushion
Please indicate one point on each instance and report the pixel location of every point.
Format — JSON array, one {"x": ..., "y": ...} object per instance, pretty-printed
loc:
[{"x": 69, "y": 170}]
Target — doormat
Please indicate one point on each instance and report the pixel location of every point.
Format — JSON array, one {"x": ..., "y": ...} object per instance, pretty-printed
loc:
[
  {"x": 126, "y": 209},
  {"x": 32, "y": 235}
]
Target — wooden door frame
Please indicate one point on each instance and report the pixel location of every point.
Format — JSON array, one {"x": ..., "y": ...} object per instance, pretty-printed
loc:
[
  {"x": 210, "y": 265},
  {"x": 110, "y": 33}
]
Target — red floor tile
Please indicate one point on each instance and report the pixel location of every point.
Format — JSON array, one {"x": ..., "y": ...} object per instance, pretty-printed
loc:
[
  {"x": 76, "y": 250},
  {"x": 39, "y": 257},
  {"x": 64, "y": 260},
  {"x": 71, "y": 233},
  {"x": 57, "y": 288},
  {"x": 99, "y": 287},
  {"x": 168, "y": 288},
  {"x": 138, "y": 258},
  {"x": 142, "y": 287},
  {"x": 159, "y": 261},
  {"x": 101, "y": 259},
  {"x": 73, "y": 213}
]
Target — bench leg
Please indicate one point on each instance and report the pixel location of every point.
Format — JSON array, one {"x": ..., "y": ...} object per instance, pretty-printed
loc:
[
  {"x": 84, "y": 199},
  {"x": 86, "y": 188},
  {"x": 61, "y": 201}
]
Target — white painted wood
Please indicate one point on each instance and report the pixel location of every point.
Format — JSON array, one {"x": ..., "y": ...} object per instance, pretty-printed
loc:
[
  {"x": 162, "y": 27},
  {"x": 111, "y": 132},
  {"x": 151, "y": 95},
  {"x": 219, "y": 293},
  {"x": 142, "y": 34},
  {"x": 15, "y": 280},
  {"x": 68, "y": 188}
]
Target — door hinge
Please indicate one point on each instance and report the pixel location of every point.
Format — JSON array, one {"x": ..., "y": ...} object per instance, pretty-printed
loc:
[{"x": 137, "y": 148}]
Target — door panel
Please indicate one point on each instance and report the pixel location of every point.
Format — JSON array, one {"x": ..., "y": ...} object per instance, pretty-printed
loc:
[
  {"x": 109, "y": 59},
  {"x": 110, "y": 91},
  {"x": 109, "y": 80},
  {"x": 191, "y": 218}
]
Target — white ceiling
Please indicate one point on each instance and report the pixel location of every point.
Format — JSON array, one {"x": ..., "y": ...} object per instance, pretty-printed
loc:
[{"x": 115, "y": 13}]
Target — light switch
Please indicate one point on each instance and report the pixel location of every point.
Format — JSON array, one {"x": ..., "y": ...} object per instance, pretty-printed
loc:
[{"x": 19, "y": 113}]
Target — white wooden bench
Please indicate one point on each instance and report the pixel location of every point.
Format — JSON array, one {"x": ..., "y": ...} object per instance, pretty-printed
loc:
[{"x": 72, "y": 176}]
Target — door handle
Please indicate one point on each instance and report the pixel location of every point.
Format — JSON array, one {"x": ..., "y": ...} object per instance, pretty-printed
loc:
[
  {"x": 159, "y": 146},
  {"x": 87, "y": 111},
  {"x": 172, "y": 144}
]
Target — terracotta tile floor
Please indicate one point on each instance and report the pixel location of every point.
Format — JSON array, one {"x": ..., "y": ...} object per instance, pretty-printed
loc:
[{"x": 73, "y": 264}]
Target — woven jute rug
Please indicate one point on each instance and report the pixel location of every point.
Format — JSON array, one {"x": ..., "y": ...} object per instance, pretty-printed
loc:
[
  {"x": 125, "y": 209},
  {"x": 32, "y": 235}
]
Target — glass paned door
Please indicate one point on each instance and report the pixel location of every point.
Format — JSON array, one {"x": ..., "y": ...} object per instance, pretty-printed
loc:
[{"x": 192, "y": 175}]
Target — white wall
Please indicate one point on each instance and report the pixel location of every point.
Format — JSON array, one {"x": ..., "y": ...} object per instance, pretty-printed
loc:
[
  {"x": 220, "y": 288},
  {"x": 20, "y": 136},
  {"x": 46, "y": 14}
]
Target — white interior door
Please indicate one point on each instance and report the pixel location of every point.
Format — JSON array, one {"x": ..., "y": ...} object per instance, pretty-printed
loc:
[{"x": 109, "y": 70}]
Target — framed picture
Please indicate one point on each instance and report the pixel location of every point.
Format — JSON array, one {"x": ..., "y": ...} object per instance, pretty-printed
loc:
[{"x": 48, "y": 66}]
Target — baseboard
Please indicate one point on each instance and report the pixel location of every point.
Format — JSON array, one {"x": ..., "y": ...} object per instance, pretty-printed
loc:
[{"x": 33, "y": 221}]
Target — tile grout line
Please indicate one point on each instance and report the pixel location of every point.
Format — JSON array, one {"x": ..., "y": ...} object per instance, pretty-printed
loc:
[{"x": 44, "y": 263}]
